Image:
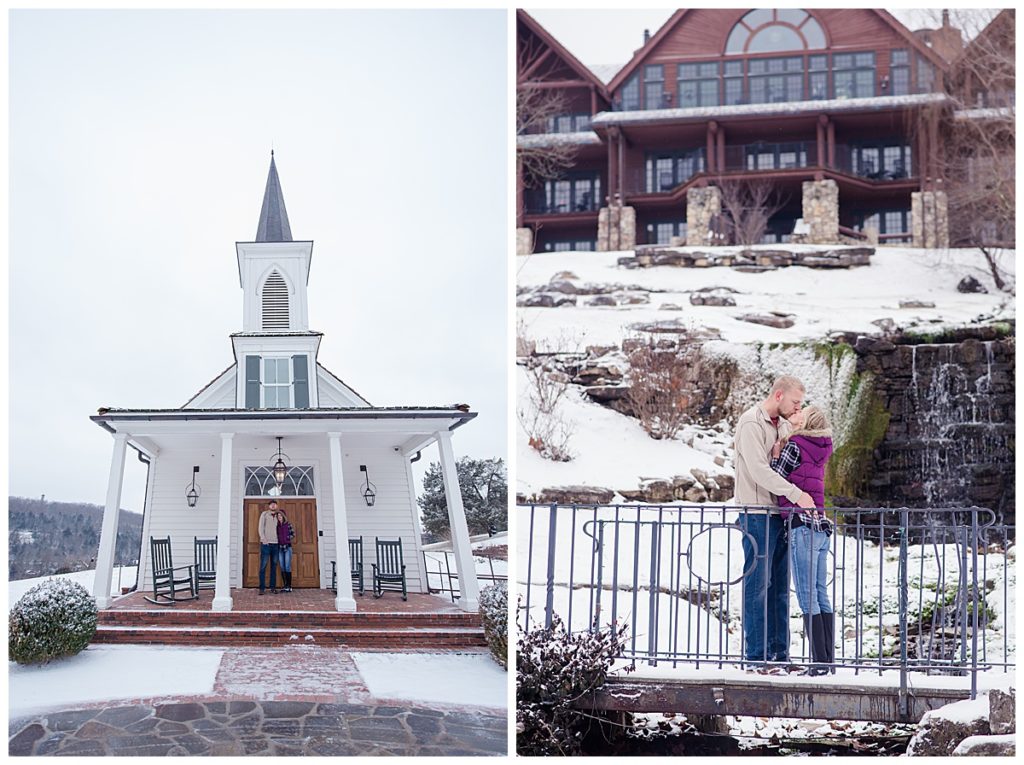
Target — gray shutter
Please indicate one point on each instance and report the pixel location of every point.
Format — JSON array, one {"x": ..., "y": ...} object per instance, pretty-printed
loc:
[
  {"x": 252, "y": 382},
  {"x": 300, "y": 385}
]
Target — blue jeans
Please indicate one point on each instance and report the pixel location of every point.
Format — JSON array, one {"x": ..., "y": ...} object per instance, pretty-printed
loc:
[
  {"x": 284, "y": 557},
  {"x": 268, "y": 553},
  {"x": 810, "y": 569},
  {"x": 765, "y": 588}
]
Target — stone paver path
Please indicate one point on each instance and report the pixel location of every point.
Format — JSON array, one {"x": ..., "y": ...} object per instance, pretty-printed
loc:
[{"x": 259, "y": 728}]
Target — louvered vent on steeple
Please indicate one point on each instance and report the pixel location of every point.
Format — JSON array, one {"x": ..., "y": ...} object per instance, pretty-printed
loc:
[{"x": 275, "y": 304}]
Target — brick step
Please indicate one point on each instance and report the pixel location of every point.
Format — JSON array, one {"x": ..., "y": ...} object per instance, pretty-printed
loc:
[
  {"x": 284, "y": 619},
  {"x": 272, "y": 636}
]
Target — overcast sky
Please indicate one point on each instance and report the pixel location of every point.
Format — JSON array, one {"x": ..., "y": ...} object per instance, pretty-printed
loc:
[
  {"x": 604, "y": 37},
  {"x": 139, "y": 148}
]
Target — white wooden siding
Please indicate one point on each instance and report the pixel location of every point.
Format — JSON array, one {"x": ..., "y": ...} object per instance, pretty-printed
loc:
[
  {"x": 220, "y": 394},
  {"x": 393, "y": 515}
]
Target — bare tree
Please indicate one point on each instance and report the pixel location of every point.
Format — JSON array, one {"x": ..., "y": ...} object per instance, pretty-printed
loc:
[
  {"x": 977, "y": 167},
  {"x": 542, "y": 154},
  {"x": 659, "y": 391},
  {"x": 747, "y": 206}
]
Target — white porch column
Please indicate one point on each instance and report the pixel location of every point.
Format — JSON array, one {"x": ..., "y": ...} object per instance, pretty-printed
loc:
[
  {"x": 222, "y": 593},
  {"x": 108, "y": 532},
  {"x": 344, "y": 600},
  {"x": 470, "y": 599}
]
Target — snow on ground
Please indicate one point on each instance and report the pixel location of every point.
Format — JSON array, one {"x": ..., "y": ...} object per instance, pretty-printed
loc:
[
  {"x": 102, "y": 673},
  {"x": 19, "y": 587},
  {"x": 822, "y": 300},
  {"x": 457, "y": 679}
]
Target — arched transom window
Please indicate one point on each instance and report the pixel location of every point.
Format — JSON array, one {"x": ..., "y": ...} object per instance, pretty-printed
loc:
[
  {"x": 773, "y": 30},
  {"x": 275, "y": 303}
]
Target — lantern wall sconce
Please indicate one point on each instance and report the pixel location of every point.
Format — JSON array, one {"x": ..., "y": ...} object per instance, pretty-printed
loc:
[
  {"x": 192, "y": 495},
  {"x": 369, "y": 490},
  {"x": 280, "y": 469}
]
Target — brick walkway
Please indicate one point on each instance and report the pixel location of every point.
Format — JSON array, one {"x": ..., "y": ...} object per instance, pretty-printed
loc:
[{"x": 269, "y": 701}]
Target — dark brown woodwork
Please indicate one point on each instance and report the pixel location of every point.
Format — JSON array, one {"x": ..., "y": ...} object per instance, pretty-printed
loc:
[
  {"x": 709, "y": 152},
  {"x": 528, "y": 72},
  {"x": 613, "y": 164},
  {"x": 721, "y": 147},
  {"x": 305, "y": 554},
  {"x": 831, "y": 130},
  {"x": 822, "y": 120}
]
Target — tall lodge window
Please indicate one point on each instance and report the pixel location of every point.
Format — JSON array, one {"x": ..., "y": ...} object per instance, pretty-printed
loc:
[
  {"x": 569, "y": 123},
  {"x": 853, "y": 74},
  {"x": 774, "y": 80},
  {"x": 925, "y": 75},
  {"x": 571, "y": 245},
  {"x": 881, "y": 160},
  {"x": 891, "y": 223},
  {"x": 817, "y": 77},
  {"x": 654, "y": 86},
  {"x": 733, "y": 83},
  {"x": 899, "y": 73},
  {"x": 662, "y": 232},
  {"x": 698, "y": 84},
  {"x": 666, "y": 170},
  {"x": 631, "y": 94},
  {"x": 574, "y": 193}
]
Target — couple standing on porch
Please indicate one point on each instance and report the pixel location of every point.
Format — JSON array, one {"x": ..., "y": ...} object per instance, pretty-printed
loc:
[
  {"x": 276, "y": 535},
  {"x": 781, "y": 453}
]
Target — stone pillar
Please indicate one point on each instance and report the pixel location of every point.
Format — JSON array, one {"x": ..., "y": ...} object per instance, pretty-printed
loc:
[
  {"x": 929, "y": 214},
  {"x": 524, "y": 241},
  {"x": 469, "y": 588},
  {"x": 821, "y": 211},
  {"x": 703, "y": 203},
  {"x": 222, "y": 591},
  {"x": 616, "y": 228},
  {"x": 108, "y": 531}
]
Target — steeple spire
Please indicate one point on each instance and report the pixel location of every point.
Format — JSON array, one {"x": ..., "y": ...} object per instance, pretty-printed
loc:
[{"x": 273, "y": 226}]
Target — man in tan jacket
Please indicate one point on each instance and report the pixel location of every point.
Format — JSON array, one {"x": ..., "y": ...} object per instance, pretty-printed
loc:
[
  {"x": 268, "y": 545},
  {"x": 765, "y": 549}
]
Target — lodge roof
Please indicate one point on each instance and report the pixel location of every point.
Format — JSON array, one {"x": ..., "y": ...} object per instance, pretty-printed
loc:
[
  {"x": 561, "y": 51},
  {"x": 273, "y": 225}
]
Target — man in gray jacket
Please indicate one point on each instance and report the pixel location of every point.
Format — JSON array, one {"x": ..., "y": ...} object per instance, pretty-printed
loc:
[
  {"x": 268, "y": 545},
  {"x": 765, "y": 549}
]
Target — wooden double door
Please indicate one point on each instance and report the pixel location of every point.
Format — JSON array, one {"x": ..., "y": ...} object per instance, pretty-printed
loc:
[{"x": 305, "y": 555}]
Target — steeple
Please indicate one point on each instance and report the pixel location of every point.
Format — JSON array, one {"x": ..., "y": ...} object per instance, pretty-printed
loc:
[{"x": 273, "y": 226}]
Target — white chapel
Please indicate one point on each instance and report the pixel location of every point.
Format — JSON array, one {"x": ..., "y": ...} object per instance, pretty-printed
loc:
[{"x": 348, "y": 463}]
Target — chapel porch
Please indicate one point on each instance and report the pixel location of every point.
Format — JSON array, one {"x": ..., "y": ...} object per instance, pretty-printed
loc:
[{"x": 302, "y": 617}]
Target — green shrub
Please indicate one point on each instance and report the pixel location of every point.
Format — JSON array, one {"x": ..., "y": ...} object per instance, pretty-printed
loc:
[
  {"x": 54, "y": 619},
  {"x": 494, "y": 615}
]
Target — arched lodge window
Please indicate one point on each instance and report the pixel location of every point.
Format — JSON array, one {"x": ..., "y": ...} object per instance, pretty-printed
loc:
[{"x": 775, "y": 31}]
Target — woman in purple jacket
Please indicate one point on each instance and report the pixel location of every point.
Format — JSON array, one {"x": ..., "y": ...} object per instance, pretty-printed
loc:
[
  {"x": 285, "y": 535},
  {"x": 801, "y": 461}
]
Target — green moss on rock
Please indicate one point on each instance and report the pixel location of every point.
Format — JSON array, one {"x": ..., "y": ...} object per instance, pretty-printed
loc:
[{"x": 869, "y": 420}]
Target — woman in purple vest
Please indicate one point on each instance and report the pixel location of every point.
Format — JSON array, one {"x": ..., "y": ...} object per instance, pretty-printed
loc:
[
  {"x": 285, "y": 535},
  {"x": 801, "y": 460}
]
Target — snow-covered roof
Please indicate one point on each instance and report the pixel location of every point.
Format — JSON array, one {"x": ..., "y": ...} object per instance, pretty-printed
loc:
[
  {"x": 538, "y": 140},
  {"x": 995, "y": 113},
  {"x": 605, "y": 72},
  {"x": 790, "y": 107}
]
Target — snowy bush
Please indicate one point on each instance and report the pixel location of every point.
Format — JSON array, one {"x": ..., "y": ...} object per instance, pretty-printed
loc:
[
  {"x": 554, "y": 670},
  {"x": 54, "y": 619},
  {"x": 494, "y": 615}
]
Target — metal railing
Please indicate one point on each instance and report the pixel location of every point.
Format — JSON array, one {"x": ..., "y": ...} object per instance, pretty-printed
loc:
[
  {"x": 912, "y": 590},
  {"x": 443, "y": 575}
]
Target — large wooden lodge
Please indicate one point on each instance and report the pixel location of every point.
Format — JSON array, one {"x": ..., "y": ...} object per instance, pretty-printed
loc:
[{"x": 837, "y": 104}]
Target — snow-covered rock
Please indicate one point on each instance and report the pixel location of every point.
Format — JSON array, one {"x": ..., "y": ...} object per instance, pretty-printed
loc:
[
  {"x": 987, "y": 746},
  {"x": 941, "y": 730}
]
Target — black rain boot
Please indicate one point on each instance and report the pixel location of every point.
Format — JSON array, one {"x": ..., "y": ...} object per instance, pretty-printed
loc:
[
  {"x": 828, "y": 619},
  {"x": 809, "y": 637},
  {"x": 287, "y": 581},
  {"x": 819, "y": 647}
]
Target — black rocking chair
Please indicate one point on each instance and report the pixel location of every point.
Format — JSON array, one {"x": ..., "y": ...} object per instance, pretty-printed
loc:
[
  {"x": 389, "y": 570},
  {"x": 166, "y": 582},
  {"x": 206, "y": 563},
  {"x": 355, "y": 556}
]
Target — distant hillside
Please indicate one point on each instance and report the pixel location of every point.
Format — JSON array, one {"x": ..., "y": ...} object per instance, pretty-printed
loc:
[{"x": 58, "y": 537}]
